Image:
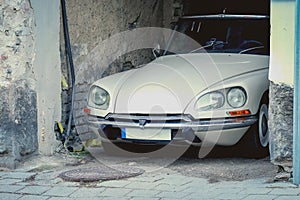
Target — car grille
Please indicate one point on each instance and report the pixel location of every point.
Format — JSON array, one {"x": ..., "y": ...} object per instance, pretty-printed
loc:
[{"x": 136, "y": 118}]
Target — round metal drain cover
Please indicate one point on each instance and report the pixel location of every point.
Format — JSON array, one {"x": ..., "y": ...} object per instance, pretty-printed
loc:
[{"x": 90, "y": 174}]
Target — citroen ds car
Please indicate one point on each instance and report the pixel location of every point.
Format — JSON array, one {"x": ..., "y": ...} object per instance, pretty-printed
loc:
[{"x": 216, "y": 94}]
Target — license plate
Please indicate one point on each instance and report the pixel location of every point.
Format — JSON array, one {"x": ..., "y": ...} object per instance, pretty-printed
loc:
[{"x": 146, "y": 134}]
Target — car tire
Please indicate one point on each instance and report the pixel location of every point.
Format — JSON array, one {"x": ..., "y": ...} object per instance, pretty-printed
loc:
[{"x": 255, "y": 143}]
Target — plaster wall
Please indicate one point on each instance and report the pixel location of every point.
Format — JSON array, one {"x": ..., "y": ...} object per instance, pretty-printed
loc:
[{"x": 282, "y": 42}]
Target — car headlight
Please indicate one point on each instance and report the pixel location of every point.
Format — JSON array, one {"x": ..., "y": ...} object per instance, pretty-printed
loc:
[
  {"x": 209, "y": 101},
  {"x": 236, "y": 97},
  {"x": 98, "y": 98}
]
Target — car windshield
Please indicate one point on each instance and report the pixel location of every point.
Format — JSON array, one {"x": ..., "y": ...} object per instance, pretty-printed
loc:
[{"x": 222, "y": 34}]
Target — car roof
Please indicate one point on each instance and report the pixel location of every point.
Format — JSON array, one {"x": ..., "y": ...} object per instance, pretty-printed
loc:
[{"x": 226, "y": 16}]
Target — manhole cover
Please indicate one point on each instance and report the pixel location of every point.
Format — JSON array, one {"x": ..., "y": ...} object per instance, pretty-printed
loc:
[{"x": 90, "y": 174}]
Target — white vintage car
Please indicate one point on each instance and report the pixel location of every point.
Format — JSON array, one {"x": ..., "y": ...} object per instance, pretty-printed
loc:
[{"x": 216, "y": 94}]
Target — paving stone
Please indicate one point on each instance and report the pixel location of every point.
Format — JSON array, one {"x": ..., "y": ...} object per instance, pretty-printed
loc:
[
  {"x": 114, "y": 183},
  {"x": 146, "y": 178},
  {"x": 192, "y": 190},
  {"x": 198, "y": 182},
  {"x": 47, "y": 182},
  {"x": 288, "y": 198},
  {"x": 111, "y": 198},
  {"x": 255, "y": 191},
  {"x": 5, "y": 196},
  {"x": 7, "y": 181},
  {"x": 170, "y": 188},
  {"x": 142, "y": 185},
  {"x": 281, "y": 185},
  {"x": 113, "y": 192},
  {"x": 285, "y": 191},
  {"x": 151, "y": 186},
  {"x": 175, "y": 181},
  {"x": 10, "y": 188},
  {"x": 201, "y": 196},
  {"x": 24, "y": 183},
  {"x": 260, "y": 197},
  {"x": 226, "y": 191},
  {"x": 87, "y": 192},
  {"x": 19, "y": 175},
  {"x": 144, "y": 198},
  {"x": 47, "y": 176},
  {"x": 68, "y": 184},
  {"x": 34, "y": 190},
  {"x": 2, "y": 173},
  {"x": 33, "y": 197},
  {"x": 227, "y": 196},
  {"x": 60, "y": 191},
  {"x": 62, "y": 198},
  {"x": 197, "y": 198},
  {"x": 261, "y": 182},
  {"x": 143, "y": 193},
  {"x": 173, "y": 195}
]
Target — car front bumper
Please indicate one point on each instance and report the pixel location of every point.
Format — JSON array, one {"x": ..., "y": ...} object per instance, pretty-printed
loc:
[
  {"x": 184, "y": 128},
  {"x": 171, "y": 122}
]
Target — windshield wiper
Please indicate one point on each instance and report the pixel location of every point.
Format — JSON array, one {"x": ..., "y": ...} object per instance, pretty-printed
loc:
[
  {"x": 211, "y": 43},
  {"x": 250, "y": 49},
  {"x": 203, "y": 47}
]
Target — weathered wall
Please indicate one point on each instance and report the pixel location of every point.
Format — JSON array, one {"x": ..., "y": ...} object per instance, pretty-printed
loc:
[
  {"x": 93, "y": 22},
  {"x": 282, "y": 81},
  {"x": 18, "y": 112}
]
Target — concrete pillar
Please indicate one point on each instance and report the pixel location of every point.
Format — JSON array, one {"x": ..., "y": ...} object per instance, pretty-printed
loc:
[
  {"x": 296, "y": 149},
  {"x": 282, "y": 82},
  {"x": 48, "y": 71}
]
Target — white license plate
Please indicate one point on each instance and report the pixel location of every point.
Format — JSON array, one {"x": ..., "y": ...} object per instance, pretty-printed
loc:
[{"x": 146, "y": 134}]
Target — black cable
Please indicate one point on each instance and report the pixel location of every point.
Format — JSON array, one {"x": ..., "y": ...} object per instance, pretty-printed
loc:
[{"x": 72, "y": 71}]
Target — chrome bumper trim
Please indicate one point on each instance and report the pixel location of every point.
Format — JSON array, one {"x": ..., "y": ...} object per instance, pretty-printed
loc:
[{"x": 196, "y": 125}]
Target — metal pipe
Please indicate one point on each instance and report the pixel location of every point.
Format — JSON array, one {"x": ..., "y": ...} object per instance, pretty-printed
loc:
[
  {"x": 296, "y": 139},
  {"x": 72, "y": 71}
]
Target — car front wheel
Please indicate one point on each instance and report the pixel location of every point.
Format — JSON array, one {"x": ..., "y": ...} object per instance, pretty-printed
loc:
[{"x": 255, "y": 143}]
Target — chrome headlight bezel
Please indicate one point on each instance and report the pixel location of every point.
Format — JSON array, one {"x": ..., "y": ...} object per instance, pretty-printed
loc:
[
  {"x": 98, "y": 98},
  {"x": 236, "y": 97},
  {"x": 232, "y": 97},
  {"x": 210, "y": 101}
]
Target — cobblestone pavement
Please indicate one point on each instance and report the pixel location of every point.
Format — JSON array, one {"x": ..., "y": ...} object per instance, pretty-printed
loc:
[{"x": 160, "y": 184}]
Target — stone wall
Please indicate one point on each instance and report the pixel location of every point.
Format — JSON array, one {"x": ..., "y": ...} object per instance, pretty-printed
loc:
[
  {"x": 18, "y": 112},
  {"x": 281, "y": 124},
  {"x": 91, "y": 25}
]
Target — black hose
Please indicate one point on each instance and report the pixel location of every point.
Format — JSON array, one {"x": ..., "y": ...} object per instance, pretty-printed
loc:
[{"x": 72, "y": 71}]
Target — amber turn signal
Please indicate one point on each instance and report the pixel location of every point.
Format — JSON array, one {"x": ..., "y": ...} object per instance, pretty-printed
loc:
[
  {"x": 239, "y": 112},
  {"x": 87, "y": 110}
]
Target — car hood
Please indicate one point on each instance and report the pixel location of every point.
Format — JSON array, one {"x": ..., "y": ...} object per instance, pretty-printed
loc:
[{"x": 168, "y": 84}]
